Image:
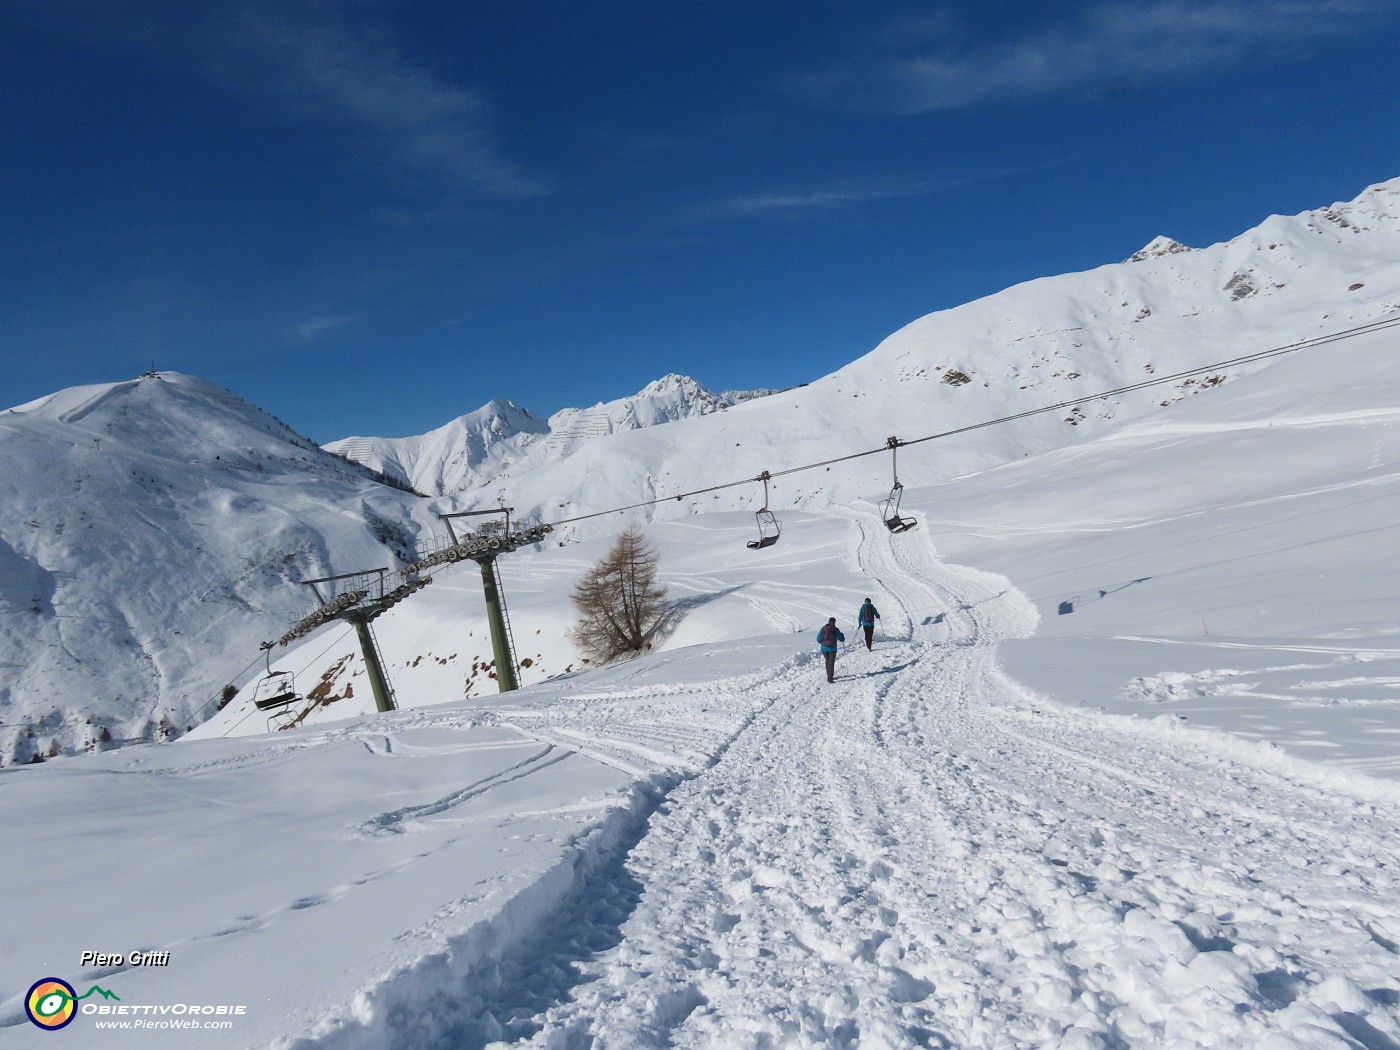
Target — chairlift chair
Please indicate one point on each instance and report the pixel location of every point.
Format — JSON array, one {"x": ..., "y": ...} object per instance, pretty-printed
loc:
[
  {"x": 889, "y": 511},
  {"x": 769, "y": 528},
  {"x": 276, "y": 695},
  {"x": 278, "y": 689},
  {"x": 276, "y": 692},
  {"x": 889, "y": 506}
]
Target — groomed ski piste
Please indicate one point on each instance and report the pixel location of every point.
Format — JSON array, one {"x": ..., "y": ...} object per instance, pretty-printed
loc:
[{"x": 713, "y": 847}]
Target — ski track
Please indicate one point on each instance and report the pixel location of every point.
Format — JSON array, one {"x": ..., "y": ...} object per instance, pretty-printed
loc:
[{"x": 924, "y": 855}]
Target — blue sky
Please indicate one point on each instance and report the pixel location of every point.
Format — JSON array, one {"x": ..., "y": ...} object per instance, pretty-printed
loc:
[{"x": 372, "y": 216}]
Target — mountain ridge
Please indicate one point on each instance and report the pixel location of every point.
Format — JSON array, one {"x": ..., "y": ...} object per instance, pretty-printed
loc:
[{"x": 486, "y": 445}]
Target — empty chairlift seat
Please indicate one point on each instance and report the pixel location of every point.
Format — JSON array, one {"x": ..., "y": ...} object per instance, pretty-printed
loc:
[
  {"x": 889, "y": 506},
  {"x": 769, "y": 528},
  {"x": 889, "y": 511}
]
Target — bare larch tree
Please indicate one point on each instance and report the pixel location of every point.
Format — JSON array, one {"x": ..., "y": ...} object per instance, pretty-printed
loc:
[{"x": 618, "y": 601}]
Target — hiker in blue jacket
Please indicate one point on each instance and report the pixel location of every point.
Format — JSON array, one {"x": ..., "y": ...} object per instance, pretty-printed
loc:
[
  {"x": 866, "y": 618},
  {"x": 829, "y": 637}
]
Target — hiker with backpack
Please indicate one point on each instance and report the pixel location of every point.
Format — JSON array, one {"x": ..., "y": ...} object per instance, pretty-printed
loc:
[
  {"x": 866, "y": 618},
  {"x": 828, "y": 638}
]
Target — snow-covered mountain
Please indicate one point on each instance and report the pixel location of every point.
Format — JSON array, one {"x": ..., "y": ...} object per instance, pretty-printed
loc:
[
  {"x": 151, "y": 535},
  {"x": 154, "y": 533},
  {"x": 494, "y": 442}
]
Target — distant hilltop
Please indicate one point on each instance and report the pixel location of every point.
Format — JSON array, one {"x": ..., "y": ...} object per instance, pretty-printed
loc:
[{"x": 489, "y": 444}]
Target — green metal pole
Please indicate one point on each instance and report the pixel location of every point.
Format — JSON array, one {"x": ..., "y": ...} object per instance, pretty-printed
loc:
[
  {"x": 383, "y": 698},
  {"x": 500, "y": 644}
]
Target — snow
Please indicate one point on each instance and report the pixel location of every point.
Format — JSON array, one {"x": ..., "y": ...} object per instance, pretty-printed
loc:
[
  {"x": 1220, "y": 565},
  {"x": 1121, "y": 770},
  {"x": 709, "y": 846},
  {"x": 160, "y": 526}
]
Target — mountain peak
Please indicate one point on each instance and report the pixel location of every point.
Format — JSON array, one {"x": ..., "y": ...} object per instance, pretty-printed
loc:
[
  {"x": 668, "y": 384},
  {"x": 1158, "y": 247}
]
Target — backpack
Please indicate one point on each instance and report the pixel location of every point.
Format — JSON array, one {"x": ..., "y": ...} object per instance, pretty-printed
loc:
[{"x": 827, "y": 635}]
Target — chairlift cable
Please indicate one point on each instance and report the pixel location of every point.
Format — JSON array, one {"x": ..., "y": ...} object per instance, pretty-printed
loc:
[
  {"x": 217, "y": 696},
  {"x": 1260, "y": 355}
]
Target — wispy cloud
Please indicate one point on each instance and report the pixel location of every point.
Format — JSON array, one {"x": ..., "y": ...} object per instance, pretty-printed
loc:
[
  {"x": 410, "y": 113},
  {"x": 319, "y": 327},
  {"x": 791, "y": 203},
  {"x": 937, "y": 69},
  {"x": 351, "y": 84}
]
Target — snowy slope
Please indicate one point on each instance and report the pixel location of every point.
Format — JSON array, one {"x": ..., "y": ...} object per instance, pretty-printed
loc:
[
  {"x": 1228, "y": 562},
  {"x": 150, "y": 540},
  {"x": 472, "y": 449},
  {"x": 1225, "y": 561},
  {"x": 483, "y": 448}
]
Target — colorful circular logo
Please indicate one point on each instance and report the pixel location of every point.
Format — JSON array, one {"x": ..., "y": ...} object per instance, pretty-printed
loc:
[{"x": 51, "y": 1003}]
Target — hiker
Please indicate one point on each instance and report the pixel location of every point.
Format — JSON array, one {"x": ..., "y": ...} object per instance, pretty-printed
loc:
[
  {"x": 866, "y": 618},
  {"x": 829, "y": 637}
]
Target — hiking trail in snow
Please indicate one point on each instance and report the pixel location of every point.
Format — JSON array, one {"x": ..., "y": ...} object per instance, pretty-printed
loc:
[{"x": 922, "y": 854}]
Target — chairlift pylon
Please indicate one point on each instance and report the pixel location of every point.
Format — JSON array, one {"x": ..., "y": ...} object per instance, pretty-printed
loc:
[
  {"x": 769, "y": 528},
  {"x": 889, "y": 506}
]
